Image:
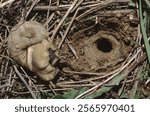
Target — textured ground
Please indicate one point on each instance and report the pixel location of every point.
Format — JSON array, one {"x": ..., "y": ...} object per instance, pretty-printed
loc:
[{"x": 99, "y": 45}]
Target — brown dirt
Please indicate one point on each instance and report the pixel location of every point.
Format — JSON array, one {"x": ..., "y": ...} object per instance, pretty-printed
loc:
[{"x": 101, "y": 47}]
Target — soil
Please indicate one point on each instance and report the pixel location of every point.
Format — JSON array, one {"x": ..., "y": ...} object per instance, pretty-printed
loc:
[
  {"x": 101, "y": 47},
  {"x": 102, "y": 56}
]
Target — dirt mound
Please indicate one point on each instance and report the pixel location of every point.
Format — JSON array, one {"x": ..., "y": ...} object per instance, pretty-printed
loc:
[{"x": 100, "y": 48}]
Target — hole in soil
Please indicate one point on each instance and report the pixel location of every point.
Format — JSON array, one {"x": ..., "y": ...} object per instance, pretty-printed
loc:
[{"x": 104, "y": 45}]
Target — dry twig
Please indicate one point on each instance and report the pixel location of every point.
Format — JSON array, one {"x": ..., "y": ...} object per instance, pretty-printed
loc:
[
  {"x": 26, "y": 84},
  {"x": 62, "y": 20},
  {"x": 6, "y": 3}
]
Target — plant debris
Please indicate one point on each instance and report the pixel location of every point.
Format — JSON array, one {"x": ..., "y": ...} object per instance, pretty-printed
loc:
[{"x": 99, "y": 43}]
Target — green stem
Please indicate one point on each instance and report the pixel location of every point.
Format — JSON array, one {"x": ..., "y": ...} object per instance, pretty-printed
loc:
[{"x": 143, "y": 30}]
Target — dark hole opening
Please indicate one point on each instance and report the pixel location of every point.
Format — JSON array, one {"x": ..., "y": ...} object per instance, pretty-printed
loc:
[{"x": 104, "y": 45}]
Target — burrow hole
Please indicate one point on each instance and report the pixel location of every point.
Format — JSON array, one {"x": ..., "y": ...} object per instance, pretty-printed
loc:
[{"x": 104, "y": 45}]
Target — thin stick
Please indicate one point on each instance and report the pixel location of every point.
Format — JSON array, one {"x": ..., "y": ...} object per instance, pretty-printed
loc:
[
  {"x": 32, "y": 6},
  {"x": 82, "y": 73},
  {"x": 26, "y": 84},
  {"x": 91, "y": 79},
  {"x": 51, "y": 87},
  {"x": 48, "y": 13},
  {"x": 10, "y": 82},
  {"x": 52, "y": 8},
  {"x": 65, "y": 7},
  {"x": 101, "y": 5},
  {"x": 49, "y": 19},
  {"x": 59, "y": 89},
  {"x": 4, "y": 86},
  {"x": 6, "y": 3},
  {"x": 76, "y": 85},
  {"x": 79, "y": 3},
  {"x": 66, "y": 32},
  {"x": 29, "y": 79},
  {"x": 62, "y": 20},
  {"x": 70, "y": 47}
]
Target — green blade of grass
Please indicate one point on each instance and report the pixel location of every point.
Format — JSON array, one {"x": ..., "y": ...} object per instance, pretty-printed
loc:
[{"x": 143, "y": 30}]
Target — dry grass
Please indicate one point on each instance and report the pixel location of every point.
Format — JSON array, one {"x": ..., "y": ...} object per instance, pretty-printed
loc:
[{"x": 60, "y": 17}]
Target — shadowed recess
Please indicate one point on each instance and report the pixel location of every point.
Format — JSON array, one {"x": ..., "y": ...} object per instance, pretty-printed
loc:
[{"x": 104, "y": 45}]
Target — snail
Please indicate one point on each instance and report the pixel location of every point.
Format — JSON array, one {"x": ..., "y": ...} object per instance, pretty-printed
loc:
[{"x": 28, "y": 45}]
